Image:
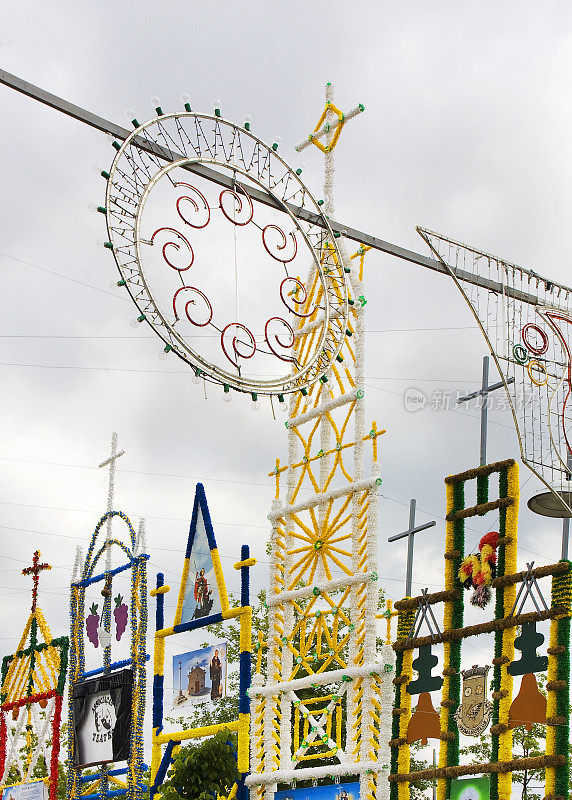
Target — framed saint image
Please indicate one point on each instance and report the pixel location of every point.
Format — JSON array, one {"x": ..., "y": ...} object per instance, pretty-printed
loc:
[
  {"x": 335, "y": 791},
  {"x": 201, "y": 598},
  {"x": 200, "y": 676},
  {"x": 32, "y": 790},
  {"x": 102, "y": 719}
]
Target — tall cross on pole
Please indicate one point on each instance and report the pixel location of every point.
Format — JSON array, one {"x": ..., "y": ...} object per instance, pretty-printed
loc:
[
  {"x": 410, "y": 533},
  {"x": 111, "y": 489},
  {"x": 328, "y": 128},
  {"x": 483, "y": 393},
  {"x": 34, "y": 571}
]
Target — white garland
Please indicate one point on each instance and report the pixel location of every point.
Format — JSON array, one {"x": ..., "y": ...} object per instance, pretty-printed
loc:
[
  {"x": 78, "y": 561},
  {"x": 141, "y": 541},
  {"x": 323, "y": 586},
  {"x": 317, "y": 679},
  {"x": 324, "y": 408},
  {"x": 316, "y": 499},
  {"x": 292, "y": 775}
]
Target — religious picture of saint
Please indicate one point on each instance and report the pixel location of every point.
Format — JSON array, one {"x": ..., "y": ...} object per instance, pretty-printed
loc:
[
  {"x": 216, "y": 677},
  {"x": 201, "y": 595},
  {"x": 200, "y": 676}
]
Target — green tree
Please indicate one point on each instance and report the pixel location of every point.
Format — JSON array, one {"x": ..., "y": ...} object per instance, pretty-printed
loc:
[{"x": 203, "y": 771}]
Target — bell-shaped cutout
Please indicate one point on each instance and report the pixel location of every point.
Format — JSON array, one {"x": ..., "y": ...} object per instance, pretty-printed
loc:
[
  {"x": 424, "y": 724},
  {"x": 529, "y": 706}
]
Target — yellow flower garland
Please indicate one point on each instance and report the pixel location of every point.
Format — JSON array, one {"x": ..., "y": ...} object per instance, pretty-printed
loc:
[{"x": 509, "y": 634}]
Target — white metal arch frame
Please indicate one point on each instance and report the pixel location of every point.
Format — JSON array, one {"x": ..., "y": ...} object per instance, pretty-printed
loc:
[{"x": 201, "y": 142}]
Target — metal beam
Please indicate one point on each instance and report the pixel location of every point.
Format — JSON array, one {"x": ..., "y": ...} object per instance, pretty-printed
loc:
[{"x": 104, "y": 125}]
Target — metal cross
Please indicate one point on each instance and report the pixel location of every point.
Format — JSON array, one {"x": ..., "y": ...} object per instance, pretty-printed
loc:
[
  {"x": 35, "y": 570},
  {"x": 528, "y": 584},
  {"x": 483, "y": 393},
  {"x": 111, "y": 489},
  {"x": 410, "y": 533}
]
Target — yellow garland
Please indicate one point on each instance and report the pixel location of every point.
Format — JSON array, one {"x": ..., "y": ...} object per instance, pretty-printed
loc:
[
  {"x": 509, "y": 634},
  {"x": 550, "y": 774},
  {"x": 403, "y": 756},
  {"x": 447, "y": 625},
  {"x": 562, "y": 593}
]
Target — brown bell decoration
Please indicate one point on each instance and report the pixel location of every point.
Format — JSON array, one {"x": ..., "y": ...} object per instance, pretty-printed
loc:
[
  {"x": 424, "y": 724},
  {"x": 529, "y": 706}
]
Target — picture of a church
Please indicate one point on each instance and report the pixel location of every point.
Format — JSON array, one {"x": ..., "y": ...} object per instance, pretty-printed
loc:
[{"x": 196, "y": 681}]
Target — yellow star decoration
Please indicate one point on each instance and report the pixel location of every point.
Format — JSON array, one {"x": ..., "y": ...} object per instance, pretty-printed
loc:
[
  {"x": 319, "y": 545},
  {"x": 328, "y": 147}
]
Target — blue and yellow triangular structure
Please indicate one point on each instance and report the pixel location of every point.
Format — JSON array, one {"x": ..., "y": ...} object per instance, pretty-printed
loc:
[
  {"x": 202, "y": 595},
  {"x": 202, "y": 601}
]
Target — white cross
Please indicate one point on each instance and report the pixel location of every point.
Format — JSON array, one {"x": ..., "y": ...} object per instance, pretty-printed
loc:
[
  {"x": 328, "y": 129},
  {"x": 111, "y": 489}
]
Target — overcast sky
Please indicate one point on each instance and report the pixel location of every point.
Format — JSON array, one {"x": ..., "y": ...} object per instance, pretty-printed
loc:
[{"x": 466, "y": 131}]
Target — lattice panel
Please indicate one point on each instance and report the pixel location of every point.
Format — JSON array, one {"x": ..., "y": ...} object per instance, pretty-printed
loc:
[{"x": 323, "y": 709}]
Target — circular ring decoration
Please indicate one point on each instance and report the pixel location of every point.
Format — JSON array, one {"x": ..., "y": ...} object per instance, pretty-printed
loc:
[
  {"x": 535, "y": 348},
  {"x": 520, "y": 354},
  {"x": 200, "y": 223},
  {"x": 533, "y": 367}
]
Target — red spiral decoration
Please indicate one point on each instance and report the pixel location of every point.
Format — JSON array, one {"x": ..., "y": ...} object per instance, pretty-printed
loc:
[
  {"x": 277, "y": 256},
  {"x": 176, "y": 246},
  {"x": 194, "y": 204},
  {"x": 277, "y": 339},
  {"x": 236, "y": 343},
  {"x": 287, "y": 300},
  {"x": 238, "y": 206},
  {"x": 192, "y": 302}
]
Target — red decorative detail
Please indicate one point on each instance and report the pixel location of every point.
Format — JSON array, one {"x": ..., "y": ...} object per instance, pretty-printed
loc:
[
  {"x": 195, "y": 205},
  {"x": 35, "y": 570},
  {"x": 31, "y": 698},
  {"x": 238, "y": 205},
  {"x": 553, "y": 316},
  {"x": 293, "y": 296},
  {"x": 238, "y": 353},
  {"x": 283, "y": 259},
  {"x": 55, "y": 747},
  {"x": 192, "y": 303},
  {"x": 528, "y": 328},
  {"x": 491, "y": 538},
  {"x": 3, "y": 739},
  {"x": 277, "y": 338},
  {"x": 176, "y": 246},
  {"x": 41, "y": 699}
]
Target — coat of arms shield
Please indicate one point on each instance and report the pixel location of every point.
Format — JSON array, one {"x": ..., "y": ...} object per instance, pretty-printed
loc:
[{"x": 475, "y": 712}]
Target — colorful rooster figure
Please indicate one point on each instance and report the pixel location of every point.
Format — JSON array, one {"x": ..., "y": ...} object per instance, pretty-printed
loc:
[{"x": 478, "y": 571}]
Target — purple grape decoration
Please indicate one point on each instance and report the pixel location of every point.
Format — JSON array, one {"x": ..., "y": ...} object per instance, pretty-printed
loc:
[
  {"x": 120, "y": 614},
  {"x": 91, "y": 625}
]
